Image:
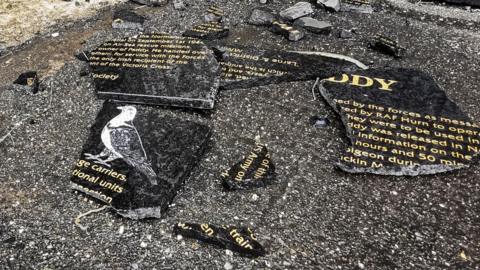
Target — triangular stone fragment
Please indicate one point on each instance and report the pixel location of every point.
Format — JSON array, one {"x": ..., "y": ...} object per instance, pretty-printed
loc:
[{"x": 256, "y": 169}]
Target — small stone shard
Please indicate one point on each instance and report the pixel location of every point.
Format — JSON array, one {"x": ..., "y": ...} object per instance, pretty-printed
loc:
[
  {"x": 400, "y": 122},
  {"x": 387, "y": 45},
  {"x": 238, "y": 239},
  {"x": 296, "y": 11},
  {"x": 208, "y": 31},
  {"x": 27, "y": 82},
  {"x": 292, "y": 33},
  {"x": 345, "y": 34},
  {"x": 214, "y": 14},
  {"x": 360, "y": 6},
  {"x": 313, "y": 25},
  {"x": 179, "y": 5},
  {"x": 126, "y": 19},
  {"x": 319, "y": 122},
  {"x": 332, "y": 5},
  {"x": 255, "y": 170},
  {"x": 262, "y": 17}
]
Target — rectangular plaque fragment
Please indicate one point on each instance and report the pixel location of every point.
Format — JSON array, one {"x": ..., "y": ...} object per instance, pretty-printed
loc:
[
  {"x": 158, "y": 69},
  {"x": 136, "y": 160}
]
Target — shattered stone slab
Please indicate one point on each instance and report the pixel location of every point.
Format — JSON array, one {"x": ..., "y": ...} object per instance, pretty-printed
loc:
[
  {"x": 238, "y": 239},
  {"x": 400, "y": 122},
  {"x": 255, "y": 170},
  {"x": 208, "y": 31},
  {"x": 126, "y": 19},
  {"x": 290, "y": 32},
  {"x": 244, "y": 67},
  {"x": 296, "y": 11},
  {"x": 387, "y": 45},
  {"x": 136, "y": 159},
  {"x": 157, "y": 69}
]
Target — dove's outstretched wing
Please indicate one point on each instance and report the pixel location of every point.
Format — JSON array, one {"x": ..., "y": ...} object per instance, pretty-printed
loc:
[{"x": 126, "y": 141}]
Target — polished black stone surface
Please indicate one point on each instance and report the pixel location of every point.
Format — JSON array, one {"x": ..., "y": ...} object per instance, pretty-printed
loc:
[
  {"x": 136, "y": 160},
  {"x": 400, "y": 122},
  {"x": 158, "y": 69},
  {"x": 238, "y": 239},
  {"x": 255, "y": 170},
  {"x": 244, "y": 67}
]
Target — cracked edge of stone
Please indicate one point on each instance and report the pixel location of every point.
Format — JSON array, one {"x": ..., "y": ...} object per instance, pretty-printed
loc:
[{"x": 387, "y": 170}]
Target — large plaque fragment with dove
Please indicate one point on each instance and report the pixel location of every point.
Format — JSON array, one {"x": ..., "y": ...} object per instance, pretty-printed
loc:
[{"x": 135, "y": 159}]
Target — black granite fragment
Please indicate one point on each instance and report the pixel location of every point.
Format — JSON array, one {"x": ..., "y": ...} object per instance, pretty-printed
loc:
[
  {"x": 387, "y": 45},
  {"x": 136, "y": 160},
  {"x": 214, "y": 14},
  {"x": 82, "y": 56},
  {"x": 126, "y": 19},
  {"x": 244, "y": 67},
  {"x": 255, "y": 170},
  {"x": 27, "y": 82},
  {"x": 400, "y": 122},
  {"x": 157, "y": 69},
  {"x": 474, "y": 3},
  {"x": 238, "y": 239},
  {"x": 208, "y": 31},
  {"x": 290, "y": 32}
]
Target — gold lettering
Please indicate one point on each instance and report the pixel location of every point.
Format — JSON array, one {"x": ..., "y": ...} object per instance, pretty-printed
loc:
[{"x": 385, "y": 84}]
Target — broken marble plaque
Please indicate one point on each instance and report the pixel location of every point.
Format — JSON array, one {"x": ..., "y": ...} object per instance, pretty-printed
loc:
[
  {"x": 238, "y": 239},
  {"x": 158, "y": 69},
  {"x": 244, "y": 67},
  {"x": 400, "y": 122},
  {"x": 253, "y": 171},
  {"x": 135, "y": 159},
  {"x": 208, "y": 31}
]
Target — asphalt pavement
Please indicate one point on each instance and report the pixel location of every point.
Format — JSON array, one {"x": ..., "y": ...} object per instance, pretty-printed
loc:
[{"x": 314, "y": 217}]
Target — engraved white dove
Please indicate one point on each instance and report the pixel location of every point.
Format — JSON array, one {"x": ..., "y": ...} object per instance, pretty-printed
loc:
[{"x": 122, "y": 141}]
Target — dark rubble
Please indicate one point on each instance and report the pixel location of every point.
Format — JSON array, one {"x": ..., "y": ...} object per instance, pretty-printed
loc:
[{"x": 316, "y": 217}]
